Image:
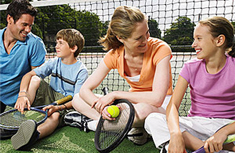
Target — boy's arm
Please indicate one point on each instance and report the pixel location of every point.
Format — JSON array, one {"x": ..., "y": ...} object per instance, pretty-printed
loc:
[
  {"x": 82, "y": 76},
  {"x": 33, "y": 67},
  {"x": 176, "y": 139},
  {"x": 215, "y": 142},
  {"x": 51, "y": 108},
  {"x": 23, "y": 97}
]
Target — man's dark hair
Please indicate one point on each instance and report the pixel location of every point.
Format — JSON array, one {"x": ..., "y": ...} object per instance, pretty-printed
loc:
[{"x": 18, "y": 7}]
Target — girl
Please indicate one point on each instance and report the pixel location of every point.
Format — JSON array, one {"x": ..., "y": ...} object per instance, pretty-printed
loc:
[{"x": 211, "y": 80}]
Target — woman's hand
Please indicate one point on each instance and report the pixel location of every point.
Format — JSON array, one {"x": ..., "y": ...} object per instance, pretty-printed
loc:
[
  {"x": 105, "y": 114},
  {"x": 103, "y": 101}
]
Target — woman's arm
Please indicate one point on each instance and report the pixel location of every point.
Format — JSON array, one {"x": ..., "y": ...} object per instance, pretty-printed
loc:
[
  {"x": 155, "y": 98},
  {"x": 176, "y": 140},
  {"x": 91, "y": 83},
  {"x": 159, "y": 87},
  {"x": 51, "y": 108}
]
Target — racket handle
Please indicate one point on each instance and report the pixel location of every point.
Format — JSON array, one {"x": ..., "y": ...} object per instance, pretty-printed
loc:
[
  {"x": 200, "y": 150},
  {"x": 63, "y": 100},
  {"x": 231, "y": 138},
  {"x": 105, "y": 90}
]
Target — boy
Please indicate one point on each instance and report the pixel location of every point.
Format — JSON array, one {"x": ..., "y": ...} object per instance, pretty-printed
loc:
[{"x": 67, "y": 76}]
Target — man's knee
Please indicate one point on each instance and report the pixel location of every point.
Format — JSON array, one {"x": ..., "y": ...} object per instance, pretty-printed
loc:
[{"x": 35, "y": 81}]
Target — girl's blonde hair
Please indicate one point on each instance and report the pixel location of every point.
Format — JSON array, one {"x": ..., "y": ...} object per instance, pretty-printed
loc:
[
  {"x": 220, "y": 25},
  {"x": 122, "y": 25}
]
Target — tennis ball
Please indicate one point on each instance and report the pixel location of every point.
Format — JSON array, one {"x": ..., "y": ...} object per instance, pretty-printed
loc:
[{"x": 113, "y": 111}]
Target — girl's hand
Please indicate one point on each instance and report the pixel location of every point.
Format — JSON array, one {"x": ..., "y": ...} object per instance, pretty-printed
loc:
[
  {"x": 176, "y": 144},
  {"x": 215, "y": 142}
]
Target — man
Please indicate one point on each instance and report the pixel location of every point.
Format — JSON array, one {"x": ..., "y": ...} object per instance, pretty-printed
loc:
[{"x": 20, "y": 50}]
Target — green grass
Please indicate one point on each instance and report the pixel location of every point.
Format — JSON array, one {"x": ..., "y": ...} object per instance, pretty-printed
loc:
[{"x": 72, "y": 140}]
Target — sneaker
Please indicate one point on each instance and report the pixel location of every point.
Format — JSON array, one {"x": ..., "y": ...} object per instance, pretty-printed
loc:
[
  {"x": 6, "y": 134},
  {"x": 25, "y": 136},
  {"x": 76, "y": 119},
  {"x": 163, "y": 147},
  {"x": 163, "y": 150},
  {"x": 138, "y": 136}
]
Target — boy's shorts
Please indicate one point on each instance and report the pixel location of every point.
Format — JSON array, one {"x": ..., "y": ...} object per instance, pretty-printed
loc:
[{"x": 46, "y": 95}]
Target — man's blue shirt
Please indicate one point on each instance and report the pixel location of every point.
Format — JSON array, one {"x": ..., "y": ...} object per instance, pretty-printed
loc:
[{"x": 15, "y": 65}]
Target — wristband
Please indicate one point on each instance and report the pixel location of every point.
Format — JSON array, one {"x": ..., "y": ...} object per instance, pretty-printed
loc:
[
  {"x": 22, "y": 96},
  {"x": 60, "y": 107},
  {"x": 65, "y": 106}
]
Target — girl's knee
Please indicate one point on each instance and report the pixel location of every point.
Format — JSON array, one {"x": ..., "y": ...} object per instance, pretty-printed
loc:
[
  {"x": 154, "y": 121},
  {"x": 155, "y": 117}
]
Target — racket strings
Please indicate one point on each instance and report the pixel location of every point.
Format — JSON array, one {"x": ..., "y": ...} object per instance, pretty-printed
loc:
[
  {"x": 12, "y": 120},
  {"x": 112, "y": 130}
]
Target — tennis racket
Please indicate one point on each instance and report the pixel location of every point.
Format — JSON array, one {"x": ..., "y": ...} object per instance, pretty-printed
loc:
[
  {"x": 12, "y": 119},
  {"x": 230, "y": 138},
  {"x": 109, "y": 134}
]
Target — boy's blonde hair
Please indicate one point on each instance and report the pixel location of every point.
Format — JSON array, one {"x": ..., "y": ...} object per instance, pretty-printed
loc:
[
  {"x": 122, "y": 24},
  {"x": 73, "y": 37}
]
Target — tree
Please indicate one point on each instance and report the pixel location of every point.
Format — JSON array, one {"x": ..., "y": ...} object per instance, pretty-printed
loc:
[
  {"x": 181, "y": 32},
  {"x": 153, "y": 28},
  {"x": 233, "y": 23},
  {"x": 105, "y": 28},
  {"x": 51, "y": 19},
  {"x": 90, "y": 26}
]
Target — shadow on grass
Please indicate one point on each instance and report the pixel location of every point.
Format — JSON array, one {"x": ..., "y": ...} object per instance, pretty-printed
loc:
[{"x": 72, "y": 140}]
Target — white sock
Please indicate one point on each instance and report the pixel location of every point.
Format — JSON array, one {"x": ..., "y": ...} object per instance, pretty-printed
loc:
[
  {"x": 166, "y": 146},
  {"x": 92, "y": 125}
]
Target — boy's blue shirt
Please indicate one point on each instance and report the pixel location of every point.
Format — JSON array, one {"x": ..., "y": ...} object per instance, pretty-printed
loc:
[{"x": 65, "y": 79}]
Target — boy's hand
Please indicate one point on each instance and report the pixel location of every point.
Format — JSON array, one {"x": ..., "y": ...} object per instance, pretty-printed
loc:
[{"x": 51, "y": 109}]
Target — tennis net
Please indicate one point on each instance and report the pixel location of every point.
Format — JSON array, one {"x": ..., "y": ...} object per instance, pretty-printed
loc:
[{"x": 170, "y": 20}]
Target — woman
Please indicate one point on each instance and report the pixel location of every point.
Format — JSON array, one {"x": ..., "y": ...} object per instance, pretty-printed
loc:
[{"x": 144, "y": 62}]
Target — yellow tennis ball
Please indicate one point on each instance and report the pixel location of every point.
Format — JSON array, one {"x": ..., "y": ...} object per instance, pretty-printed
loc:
[{"x": 113, "y": 111}]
